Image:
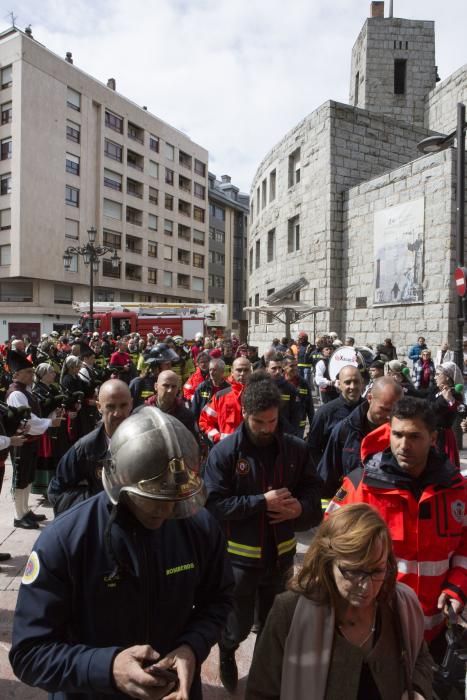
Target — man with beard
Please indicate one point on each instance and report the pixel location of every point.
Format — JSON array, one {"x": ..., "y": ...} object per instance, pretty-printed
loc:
[
  {"x": 167, "y": 399},
  {"x": 262, "y": 486}
]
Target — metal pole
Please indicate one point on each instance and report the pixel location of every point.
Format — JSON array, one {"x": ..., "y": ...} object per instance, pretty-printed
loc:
[
  {"x": 91, "y": 293},
  {"x": 460, "y": 235}
]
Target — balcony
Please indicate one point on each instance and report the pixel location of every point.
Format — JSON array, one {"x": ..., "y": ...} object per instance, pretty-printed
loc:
[
  {"x": 134, "y": 160},
  {"x": 135, "y": 133},
  {"x": 133, "y": 272},
  {"x": 183, "y": 281},
  {"x": 134, "y": 216},
  {"x": 134, "y": 188},
  {"x": 184, "y": 159}
]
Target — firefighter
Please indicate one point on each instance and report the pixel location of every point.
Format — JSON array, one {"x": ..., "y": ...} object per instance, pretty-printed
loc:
[{"x": 199, "y": 375}]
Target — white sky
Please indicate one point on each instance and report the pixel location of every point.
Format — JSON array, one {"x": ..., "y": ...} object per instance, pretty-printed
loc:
[{"x": 235, "y": 75}]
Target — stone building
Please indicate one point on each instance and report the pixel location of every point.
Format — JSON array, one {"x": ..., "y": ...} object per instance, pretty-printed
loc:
[
  {"x": 345, "y": 200},
  {"x": 228, "y": 226},
  {"x": 75, "y": 154}
]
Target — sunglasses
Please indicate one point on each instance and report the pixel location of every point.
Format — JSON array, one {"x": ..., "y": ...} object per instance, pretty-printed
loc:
[{"x": 360, "y": 575}]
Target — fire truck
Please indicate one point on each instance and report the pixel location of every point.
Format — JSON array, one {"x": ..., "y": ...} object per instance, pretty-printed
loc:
[{"x": 162, "y": 320}]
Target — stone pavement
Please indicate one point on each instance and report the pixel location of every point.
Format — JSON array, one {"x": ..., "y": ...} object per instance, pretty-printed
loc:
[{"x": 19, "y": 543}]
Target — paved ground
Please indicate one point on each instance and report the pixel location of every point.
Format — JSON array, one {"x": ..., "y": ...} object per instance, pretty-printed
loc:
[{"x": 19, "y": 543}]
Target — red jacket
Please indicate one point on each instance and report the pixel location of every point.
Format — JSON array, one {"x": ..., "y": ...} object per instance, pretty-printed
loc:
[
  {"x": 192, "y": 382},
  {"x": 428, "y": 528},
  {"x": 223, "y": 414}
]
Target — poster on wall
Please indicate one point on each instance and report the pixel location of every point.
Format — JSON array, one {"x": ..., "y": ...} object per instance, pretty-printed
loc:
[{"x": 398, "y": 253}]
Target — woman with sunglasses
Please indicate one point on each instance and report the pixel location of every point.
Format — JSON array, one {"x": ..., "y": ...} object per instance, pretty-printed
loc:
[{"x": 345, "y": 629}]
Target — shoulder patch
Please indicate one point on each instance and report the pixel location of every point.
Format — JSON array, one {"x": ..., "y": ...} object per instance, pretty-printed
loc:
[
  {"x": 33, "y": 567},
  {"x": 340, "y": 495},
  {"x": 457, "y": 510},
  {"x": 243, "y": 467}
]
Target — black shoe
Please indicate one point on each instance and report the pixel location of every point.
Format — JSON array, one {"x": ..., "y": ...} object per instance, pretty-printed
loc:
[
  {"x": 38, "y": 518},
  {"x": 4, "y": 556},
  {"x": 25, "y": 523},
  {"x": 228, "y": 670}
]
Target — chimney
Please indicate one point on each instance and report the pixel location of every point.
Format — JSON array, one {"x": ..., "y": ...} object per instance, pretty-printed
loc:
[
  {"x": 377, "y": 9},
  {"x": 226, "y": 178},
  {"x": 111, "y": 84},
  {"x": 28, "y": 31},
  {"x": 145, "y": 108},
  {"x": 69, "y": 57}
]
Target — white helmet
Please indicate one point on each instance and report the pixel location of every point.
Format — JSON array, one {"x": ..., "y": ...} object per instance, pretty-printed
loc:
[{"x": 198, "y": 336}]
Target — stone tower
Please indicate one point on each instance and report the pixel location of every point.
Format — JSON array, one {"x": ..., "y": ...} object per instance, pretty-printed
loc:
[{"x": 393, "y": 66}]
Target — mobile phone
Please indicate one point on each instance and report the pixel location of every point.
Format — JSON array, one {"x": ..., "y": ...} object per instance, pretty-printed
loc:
[{"x": 164, "y": 673}]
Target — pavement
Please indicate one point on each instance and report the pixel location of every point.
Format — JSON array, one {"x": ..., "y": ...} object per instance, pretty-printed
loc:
[{"x": 20, "y": 542}]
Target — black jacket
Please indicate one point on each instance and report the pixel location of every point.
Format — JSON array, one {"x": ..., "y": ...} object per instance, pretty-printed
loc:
[{"x": 326, "y": 417}]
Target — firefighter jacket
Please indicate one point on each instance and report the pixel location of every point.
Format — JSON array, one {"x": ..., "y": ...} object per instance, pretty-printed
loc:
[
  {"x": 307, "y": 409},
  {"x": 93, "y": 587},
  {"x": 203, "y": 394},
  {"x": 427, "y": 520},
  {"x": 192, "y": 382},
  {"x": 305, "y": 356},
  {"x": 237, "y": 480},
  {"x": 326, "y": 417},
  {"x": 290, "y": 410},
  {"x": 223, "y": 414}
]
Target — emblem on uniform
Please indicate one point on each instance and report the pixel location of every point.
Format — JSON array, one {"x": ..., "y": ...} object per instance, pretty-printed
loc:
[
  {"x": 340, "y": 495},
  {"x": 33, "y": 567},
  {"x": 458, "y": 510},
  {"x": 243, "y": 467}
]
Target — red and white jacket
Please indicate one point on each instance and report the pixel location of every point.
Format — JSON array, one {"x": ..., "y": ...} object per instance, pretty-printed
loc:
[
  {"x": 427, "y": 519},
  {"x": 223, "y": 414},
  {"x": 193, "y": 382}
]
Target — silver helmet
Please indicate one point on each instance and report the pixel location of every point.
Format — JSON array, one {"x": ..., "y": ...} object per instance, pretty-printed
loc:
[{"x": 153, "y": 455}]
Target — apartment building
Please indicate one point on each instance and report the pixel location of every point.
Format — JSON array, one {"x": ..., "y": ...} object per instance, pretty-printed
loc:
[
  {"x": 77, "y": 154},
  {"x": 228, "y": 226}
]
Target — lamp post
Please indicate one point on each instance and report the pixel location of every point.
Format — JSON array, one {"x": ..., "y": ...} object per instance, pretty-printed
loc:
[{"x": 90, "y": 254}]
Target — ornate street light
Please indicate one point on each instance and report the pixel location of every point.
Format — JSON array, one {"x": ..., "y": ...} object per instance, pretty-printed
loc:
[{"x": 91, "y": 254}]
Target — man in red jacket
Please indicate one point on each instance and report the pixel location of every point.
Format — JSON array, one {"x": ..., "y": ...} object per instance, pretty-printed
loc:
[
  {"x": 423, "y": 498},
  {"x": 223, "y": 414}
]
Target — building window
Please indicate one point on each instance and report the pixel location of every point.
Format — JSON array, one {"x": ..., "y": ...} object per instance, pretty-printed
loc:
[
  {"x": 152, "y": 275},
  {"x": 251, "y": 260},
  {"x": 154, "y": 143},
  {"x": 72, "y": 164},
  {"x": 134, "y": 160},
  {"x": 198, "y": 237},
  {"x": 133, "y": 272},
  {"x": 112, "y": 209},
  {"x": 216, "y": 258},
  {"x": 134, "y": 216},
  {"x": 200, "y": 168},
  {"x": 169, "y": 202},
  {"x": 293, "y": 234},
  {"x": 134, "y": 188},
  {"x": 5, "y": 183},
  {"x": 63, "y": 294},
  {"x": 134, "y": 244},
  {"x": 152, "y": 222},
  {"x": 168, "y": 227},
  {"x": 294, "y": 168},
  {"x": 272, "y": 185},
  {"x": 154, "y": 169},
  {"x": 264, "y": 186},
  {"x": 6, "y": 77},
  {"x": 135, "y": 132},
  {"x": 184, "y": 232},
  {"x": 184, "y": 159},
  {"x": 269, "y": 315},
  {"x": 112, "y": 180},
  {"x": 198, "y": 214},
  {"x": 217, "y": 281},
  {"x": 153, "y": 195},
  {"x": 168, "y": 252},
  {"x": 169, "y": 151},
  {"x": 71, "y": 196},
  {"x": 184, "y": 207},
  {"x": 197, "y": 284},
  {"x": 73, "y": 263},
  {"x": 198, "y": 260},
  {"x": 183, "y": 281},
  {"x": 216, "y": 212},
  {"x": 73, "y": 99},
  {"x": 357, "y": 84},
  {"x": 271, "y": 244},
  {"x": 16, "y": 291},
  {"x": 183, "y": 256},
  {"x": 6, "y": 148},
  {"x": 113, "y": 150},
  {"x": 103, "y": 294},
  {"x": 258, "y": 255},
  {"x": 113, "y": 239},
  {"x": 7, "y": 113},
  {"x": 71, "y": 228},
  {"x": 216, "y": 235},
  {"x": 114, "y": 121},
  {"x": 5, "y": 254},
  {"x": 258, "y": 200},
  {"x": 169, "y": 176},
  {"x": 400, "y": 75},
  {"x": 256, "y": 312},
  {"x": 199, "y": 191},
  {"x": 152, "y": 249},
  {"x": 73, "y": 131},
  {"x": 108, "y": 270},
  {"x": 184, "y": 183},
  {"x": 167, "y": 278}
]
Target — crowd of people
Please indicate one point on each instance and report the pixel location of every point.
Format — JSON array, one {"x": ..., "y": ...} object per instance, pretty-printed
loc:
[{"x": 181, "y": 474}]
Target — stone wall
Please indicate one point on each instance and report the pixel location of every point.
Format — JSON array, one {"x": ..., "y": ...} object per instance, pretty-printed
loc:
[{"x": 441, "y": 103}]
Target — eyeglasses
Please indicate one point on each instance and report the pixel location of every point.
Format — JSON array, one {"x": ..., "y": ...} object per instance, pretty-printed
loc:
[{"x": 359, "y": 575}]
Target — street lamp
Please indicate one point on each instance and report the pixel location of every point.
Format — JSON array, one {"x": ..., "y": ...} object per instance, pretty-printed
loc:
[
  {"x": 91, "y": 254},
  {"x": 433, "y": 144}
]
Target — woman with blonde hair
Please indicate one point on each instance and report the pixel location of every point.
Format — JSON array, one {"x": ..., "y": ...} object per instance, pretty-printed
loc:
[{"x": 345, "y": 629}]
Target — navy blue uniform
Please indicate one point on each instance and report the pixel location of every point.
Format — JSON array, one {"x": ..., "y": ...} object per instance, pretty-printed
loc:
[
  {"x": 73, "y": 616},
  {"x": 326, "y": 417}
]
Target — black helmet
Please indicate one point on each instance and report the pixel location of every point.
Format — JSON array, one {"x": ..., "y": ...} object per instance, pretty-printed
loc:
[{"x": 161, "y": 353}]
